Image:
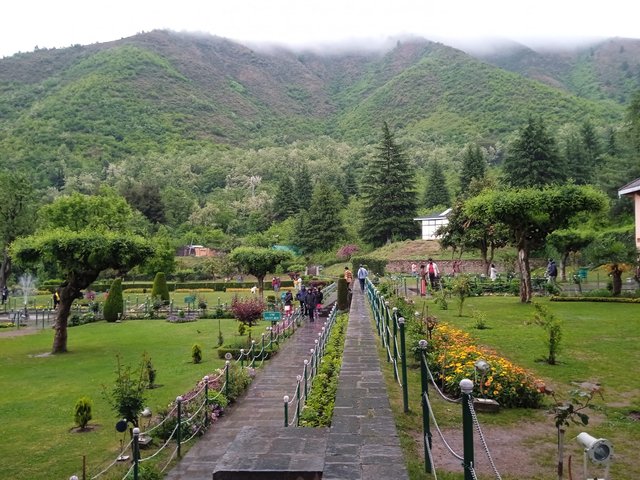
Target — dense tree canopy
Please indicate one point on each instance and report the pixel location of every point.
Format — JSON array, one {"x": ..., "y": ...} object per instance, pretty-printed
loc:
[
  {"x": 83, "y": 235},
  {"x": 531, "y": 214},
  {"x": 258, "y": 261},
  {"x": 17, "y": 212}
]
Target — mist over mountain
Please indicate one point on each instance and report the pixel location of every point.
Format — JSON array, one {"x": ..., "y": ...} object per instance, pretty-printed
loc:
[{"x": 163, "y": 91}]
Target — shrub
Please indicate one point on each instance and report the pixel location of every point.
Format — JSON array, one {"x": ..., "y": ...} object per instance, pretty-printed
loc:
[
  {"x": 375, "y": 266},
  {"x": 248, "y": 310},
  {"x": 461, "y": 288},
  {"x": 113, "y": 303},
  {"x": 320, "y": 403},
  {"x": 343, "y": 295},
  {"x": 347, "y": 251},
  {"x": 553, "y": 327},
  {"x": 196, "y": 353},
  {"x": 160, "y": 288},
  {"x": 150, "y": 371},
  {"x": 127, "y": 397},
  {"x": 82, "y": 412}
]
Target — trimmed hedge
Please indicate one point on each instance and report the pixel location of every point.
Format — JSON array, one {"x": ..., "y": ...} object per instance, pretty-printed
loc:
[
  {"x": 102, "y": 286},
  {"x": 375, "y": 266},
  {"x": 595, "y": 299}
]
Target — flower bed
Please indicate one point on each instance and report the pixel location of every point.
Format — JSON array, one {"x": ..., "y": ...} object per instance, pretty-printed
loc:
[{"x": 452, "y": 356}]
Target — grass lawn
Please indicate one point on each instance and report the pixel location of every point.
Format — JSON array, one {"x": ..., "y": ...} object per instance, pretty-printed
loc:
[
  {"x": 600, "y": 345},
  {"x": 38, "y": 391}
]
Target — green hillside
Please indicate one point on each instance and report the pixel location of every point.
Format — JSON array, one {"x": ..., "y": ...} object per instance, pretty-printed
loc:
[{"x": 81, "y": 109}]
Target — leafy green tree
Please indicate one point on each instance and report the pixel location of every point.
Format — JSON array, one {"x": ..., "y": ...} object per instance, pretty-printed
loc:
[
  {"x": 464, "y": 233},
  {"x": 388, "y": 193},
  {"x": 258, "y": 261},
  {"x": 17, "y": 213},
  {"x": 474, "y": 167},
  {"x": 82, "y": 249},
  {"x": 163, "y": 258},
  {"x": 321, "y": 225},
  {"x": 615, "y": 249},
  {"x": 147, "y": 199},
  {"x": 436, "y": 193},
  {"x": 113, "y": 305},
  {"x": 568, "y": 241},
  {"x": 531, "y": 214},
  {"x": 533, "y": 159},
  {"x": 160, "y": 288}
]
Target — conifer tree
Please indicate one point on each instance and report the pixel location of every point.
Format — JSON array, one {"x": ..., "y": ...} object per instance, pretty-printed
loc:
[
  {"x": 284, "y": 203},
  {"x": 389, "y": 195},
  {"x": 474, "y": 166},
  {"x": 533, "y": 159},
  {"x": 160, "y": 288},
  {"x": 436, "y": 193},
  {"x": 320, "y": 226},
  {"x": 113, "y": 303},
  {"x": 303, "y": 187}
]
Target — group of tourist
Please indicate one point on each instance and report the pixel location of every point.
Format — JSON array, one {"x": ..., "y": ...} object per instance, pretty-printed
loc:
[{"x": 310, "y": 301}]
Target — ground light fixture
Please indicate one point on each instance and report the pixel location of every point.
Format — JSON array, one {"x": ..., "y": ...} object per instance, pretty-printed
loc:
[{"x": 598, "y": 450}]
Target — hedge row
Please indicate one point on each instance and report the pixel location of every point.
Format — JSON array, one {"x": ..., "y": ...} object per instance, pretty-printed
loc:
[
  {"x": 596, "y": 299},
  {"x": 375, "y": 266},
  {"x": 215, "y": 286}
]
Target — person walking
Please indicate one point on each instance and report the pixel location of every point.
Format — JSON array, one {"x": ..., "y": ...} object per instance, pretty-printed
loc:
[
  {"x": 301, "y": 297},
  {"x": 552, "y": 271},
  {"x": 434, "y": 273},
  {"x": 348, "y": 276},
  {"x": 5, "y": 294},
  {"x": 362, "y": 276},
  {"x": 493, "y": 272},
  {"x": 310, "y": 302}
]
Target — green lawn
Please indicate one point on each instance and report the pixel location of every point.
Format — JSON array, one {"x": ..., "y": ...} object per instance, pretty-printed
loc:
[
  {"x": 38, "y": 391},
  {"x": 600, "y": 346}
]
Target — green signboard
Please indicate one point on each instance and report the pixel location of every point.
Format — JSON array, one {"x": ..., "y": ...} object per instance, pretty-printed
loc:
[{"x": 272, "y": 316}]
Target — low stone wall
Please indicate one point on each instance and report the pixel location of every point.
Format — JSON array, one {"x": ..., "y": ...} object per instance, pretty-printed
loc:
[{"x": 445, "y": 266}]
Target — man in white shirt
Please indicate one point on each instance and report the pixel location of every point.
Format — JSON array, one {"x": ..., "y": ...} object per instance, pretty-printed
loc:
[{"x": 362, "y": 275}]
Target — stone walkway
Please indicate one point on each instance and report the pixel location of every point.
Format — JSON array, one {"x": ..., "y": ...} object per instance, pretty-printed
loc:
[{"x": 251, "y": 442}]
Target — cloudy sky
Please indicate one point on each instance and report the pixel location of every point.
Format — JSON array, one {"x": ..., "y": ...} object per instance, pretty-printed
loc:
[{"x": 25, "y": 24}]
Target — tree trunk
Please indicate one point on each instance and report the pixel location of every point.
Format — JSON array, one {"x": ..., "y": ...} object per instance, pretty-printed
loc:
[
  {"x": 260, "y": 285},
  {"x": 5, "y": 268},
  {"x": 616, "y": 280},
  {"x": 525, "y": 275},
  {"x": 485, "y": 260},
  {"x": 563, "y": 266},
  {"x": 68, "y": 294}
]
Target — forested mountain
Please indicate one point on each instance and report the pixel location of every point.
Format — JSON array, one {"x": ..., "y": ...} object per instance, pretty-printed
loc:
[
  {"x": 161, "y": 92},
  {"x": 608, "y": 69}
]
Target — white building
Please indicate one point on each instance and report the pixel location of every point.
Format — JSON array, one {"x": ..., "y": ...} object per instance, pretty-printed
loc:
[
  {"x": 431, "y": 224},
  {"x": 633, "y": 190}
]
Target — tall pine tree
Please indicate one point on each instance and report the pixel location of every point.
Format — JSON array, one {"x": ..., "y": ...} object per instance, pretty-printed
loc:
[
  {"x": 320, "y": 227},
  {"x": 436, "y": 193},
  {"x": 389, "y": 195},
  {"x": 474, "y": 166},
  {"x": 284, "y": 203},
  {"x": 533, "y": 159}
]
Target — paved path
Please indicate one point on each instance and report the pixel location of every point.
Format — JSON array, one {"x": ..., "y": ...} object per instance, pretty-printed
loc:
[
  {"x": 362, "y": 443},
  {"x": 261, "y": 406}
]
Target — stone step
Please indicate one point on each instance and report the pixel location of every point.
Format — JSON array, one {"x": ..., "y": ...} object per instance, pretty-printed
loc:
[{"x": 274, "y": 453}]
